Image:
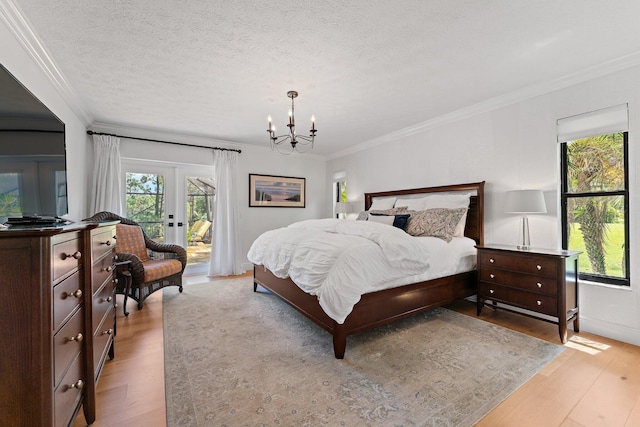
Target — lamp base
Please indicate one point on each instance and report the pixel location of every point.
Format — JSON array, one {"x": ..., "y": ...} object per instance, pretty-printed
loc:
[{"x": 524, "y": 242}]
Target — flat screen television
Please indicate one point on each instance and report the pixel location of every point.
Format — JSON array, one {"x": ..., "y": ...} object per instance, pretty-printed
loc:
[{"x": 33, "y": 172}]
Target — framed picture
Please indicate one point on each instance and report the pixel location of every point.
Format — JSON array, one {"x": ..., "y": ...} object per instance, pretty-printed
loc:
[{"x": 276, "y": 191}]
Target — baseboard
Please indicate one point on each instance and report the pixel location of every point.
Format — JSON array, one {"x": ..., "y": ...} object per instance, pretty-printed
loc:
[{"x": 610, "y": 330}]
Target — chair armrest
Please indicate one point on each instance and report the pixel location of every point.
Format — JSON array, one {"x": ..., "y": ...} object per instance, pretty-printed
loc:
[
  {"x": 135, "y": 268},
  {"x": 173, "y": 251}
]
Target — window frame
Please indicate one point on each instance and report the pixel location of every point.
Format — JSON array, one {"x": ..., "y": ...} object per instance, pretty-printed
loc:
[{"x": 565, "y": 195}]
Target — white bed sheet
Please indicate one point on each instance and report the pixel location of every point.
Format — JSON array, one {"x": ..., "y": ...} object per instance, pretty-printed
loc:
[{"x": 340, "y": 260}]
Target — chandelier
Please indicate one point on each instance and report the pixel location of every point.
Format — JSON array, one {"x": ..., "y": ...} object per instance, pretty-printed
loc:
[{"x": 298, "y": 143}]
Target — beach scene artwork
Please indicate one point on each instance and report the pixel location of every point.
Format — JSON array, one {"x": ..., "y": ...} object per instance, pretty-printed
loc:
[{"x": 276, "y": 191}]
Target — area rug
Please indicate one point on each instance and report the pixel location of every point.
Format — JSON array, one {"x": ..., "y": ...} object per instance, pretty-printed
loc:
[{"x": 238, "y": 358}]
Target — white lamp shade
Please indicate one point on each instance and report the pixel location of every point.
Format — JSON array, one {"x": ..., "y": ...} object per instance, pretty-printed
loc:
[{"x": 525, "y": 202}]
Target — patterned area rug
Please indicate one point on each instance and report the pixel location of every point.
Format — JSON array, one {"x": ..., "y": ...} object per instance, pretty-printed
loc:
[{"x": 238, "y": 358}]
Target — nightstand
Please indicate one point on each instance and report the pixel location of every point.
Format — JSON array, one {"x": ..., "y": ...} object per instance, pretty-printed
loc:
[{"x": 541, "y": 281}]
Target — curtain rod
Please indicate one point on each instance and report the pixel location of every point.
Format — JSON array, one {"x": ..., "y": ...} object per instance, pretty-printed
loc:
[{"x": 90, "y": 132}]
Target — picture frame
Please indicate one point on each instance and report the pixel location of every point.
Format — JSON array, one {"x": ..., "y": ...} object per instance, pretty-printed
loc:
[{"x": 276, "y": 191}]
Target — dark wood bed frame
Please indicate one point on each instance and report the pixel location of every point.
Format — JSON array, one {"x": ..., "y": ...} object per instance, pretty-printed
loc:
[{"x": 382, "y": 307}]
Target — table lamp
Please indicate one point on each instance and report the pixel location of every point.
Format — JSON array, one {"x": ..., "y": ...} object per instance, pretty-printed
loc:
[{"x": 525, "y": 202}]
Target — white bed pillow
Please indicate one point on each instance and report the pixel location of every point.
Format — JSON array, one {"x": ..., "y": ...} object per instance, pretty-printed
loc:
[
  {"x": 449, "y": 201},
  {"x": 412, "y": 204},
  {"x": 383, "y": 203}
]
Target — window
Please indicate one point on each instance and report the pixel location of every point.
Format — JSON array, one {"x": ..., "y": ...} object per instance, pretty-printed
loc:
[{"x": 595, "y": 205}]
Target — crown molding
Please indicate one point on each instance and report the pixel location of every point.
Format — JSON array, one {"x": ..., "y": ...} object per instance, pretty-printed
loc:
[
  {"x": 519, "y": 95},
  {"x": 18, "y": 25}
]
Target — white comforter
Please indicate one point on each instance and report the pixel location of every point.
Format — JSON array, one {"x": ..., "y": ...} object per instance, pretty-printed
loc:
[{"x": 340, "y": 260}]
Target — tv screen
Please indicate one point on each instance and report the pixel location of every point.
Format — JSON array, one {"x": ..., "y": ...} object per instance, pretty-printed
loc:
[{"x": 33, "y": 173}]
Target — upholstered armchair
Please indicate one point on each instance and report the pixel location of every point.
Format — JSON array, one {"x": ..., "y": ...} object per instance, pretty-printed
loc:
[{"x": 152, "y": 265}]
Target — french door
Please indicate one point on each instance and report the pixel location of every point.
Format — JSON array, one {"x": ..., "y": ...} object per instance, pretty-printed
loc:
[{"x": 174, "y": 204}]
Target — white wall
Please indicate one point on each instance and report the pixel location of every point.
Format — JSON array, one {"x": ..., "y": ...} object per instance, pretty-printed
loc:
[
  {"x": 15, "y": 59},
  {"x": 514, "y": 147},
  {"x": 253, "y": 159}
]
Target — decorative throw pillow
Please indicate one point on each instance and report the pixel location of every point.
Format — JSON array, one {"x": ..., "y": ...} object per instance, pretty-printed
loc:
[
  {"x": 382, "y": 219},
  {"x": 364, "y": 215},
  {"x": 400, "y": 221},
  {"x": 384, "y": 203},
  {"x": 438, "y": 222}
]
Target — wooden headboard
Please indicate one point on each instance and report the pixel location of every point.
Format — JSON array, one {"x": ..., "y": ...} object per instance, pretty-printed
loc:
[{"x": 474, "y": 228}]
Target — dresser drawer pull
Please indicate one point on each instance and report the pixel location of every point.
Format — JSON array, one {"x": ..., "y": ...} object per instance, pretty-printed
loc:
[
  {"x": 75, "y": 255},
  {"x": 107, "y": 299},
  {"x": 492, "y": 276},
  {"x": 539, "y": 284},
  {"x": 77, "y": 385},
  {"x": 77, "y": 294},
  {"x": 107, "y": 332},
  {"x": 77, "y": 338},
  {"x": 539, "y": 267},
  {"x": 491, "y": 291},
  {"x": 108, "y": 268},
  {"x": 115, "y": 280},
  {"x": 115, "y": 257},
  {"x": 491, "y": 260},
  {"x": 539, "y": 302},
  {"x": 108, "y": 243}
]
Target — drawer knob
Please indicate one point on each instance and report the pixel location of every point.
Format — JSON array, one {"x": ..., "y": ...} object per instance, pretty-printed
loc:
[
  {"x": 77, "y": 294},
  {"x": 539, "y": 284},
  {"x": 490, "y": 291},
  {"x": 107, "y": 332},
  {"x": 539, "y": 302},
  {"x": 115, "y": 280},
  {"x": 78, "y": 384},
  {"x": 539, "y": 267},
  {"x": 107, "y": 299},
  {"x": 75, "y": 255},
  {"x": 491, "y": 260},
  {"x": 492, "y": 275},
  {"x": 108, "y": 243},
  {"x": 115, "y": 257},
  {"x": 77, "y": 338}
]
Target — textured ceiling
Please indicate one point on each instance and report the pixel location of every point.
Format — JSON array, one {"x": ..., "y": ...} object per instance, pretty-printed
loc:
[{"x": 364, "y": 68}]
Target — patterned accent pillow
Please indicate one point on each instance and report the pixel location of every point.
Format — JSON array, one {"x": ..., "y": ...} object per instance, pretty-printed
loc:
[
  {"x": 364, "y": 215},
  {"x": 438, "y": 222}
]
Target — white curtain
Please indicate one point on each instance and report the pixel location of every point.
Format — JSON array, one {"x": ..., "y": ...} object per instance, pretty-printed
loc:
[
  {"x": 107, "y": 188},
  {"x": 225, "y": 246}
]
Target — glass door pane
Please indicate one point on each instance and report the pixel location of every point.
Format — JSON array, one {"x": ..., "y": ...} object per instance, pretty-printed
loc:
[
  {"x": 199, "y": 202},
  {"x": 145, "y": 202}
]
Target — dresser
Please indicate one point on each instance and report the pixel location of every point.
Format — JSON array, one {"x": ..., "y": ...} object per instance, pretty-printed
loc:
[
  {"x": 543, "y": 282},
  {"x": 47, "y": 368}
]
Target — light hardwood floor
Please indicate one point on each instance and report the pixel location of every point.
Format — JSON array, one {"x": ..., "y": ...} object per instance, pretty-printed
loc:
[{"x": 595, "y": 382}]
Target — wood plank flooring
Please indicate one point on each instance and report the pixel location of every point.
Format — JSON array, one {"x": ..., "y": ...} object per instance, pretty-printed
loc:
[{"x": 595, "y": 382}]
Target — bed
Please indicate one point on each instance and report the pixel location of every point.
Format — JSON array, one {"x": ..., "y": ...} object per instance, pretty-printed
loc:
[{"x": 384, "y": 306}]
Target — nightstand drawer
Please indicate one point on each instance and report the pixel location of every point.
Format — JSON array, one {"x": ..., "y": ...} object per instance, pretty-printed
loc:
[
  {"x": 528, "y": 264},
  {"x": 527, "y": 282},
  {"x": 530, "y": 301}
]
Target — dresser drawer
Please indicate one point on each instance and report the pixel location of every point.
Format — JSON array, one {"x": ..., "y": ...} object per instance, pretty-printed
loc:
[
  {"x": 102, "y": 301},
  {"x": 527, "y": 282},
  {"x": 102, "y": 340},
  {"x": 528, "y": 300},
  {"x": 67, "y": 255},
  {"x": 102, "y": 271},
  {"x": 67, "y": 295},
  {"x": 67, "y": 344},
  {"x": 68, "y": 393},
  {"x": 103, "y": 241},
  {"x": 538, "y": 266}
]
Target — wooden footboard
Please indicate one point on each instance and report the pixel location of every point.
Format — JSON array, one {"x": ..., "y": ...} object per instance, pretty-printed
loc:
[{"x": 374, "y": 309}]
